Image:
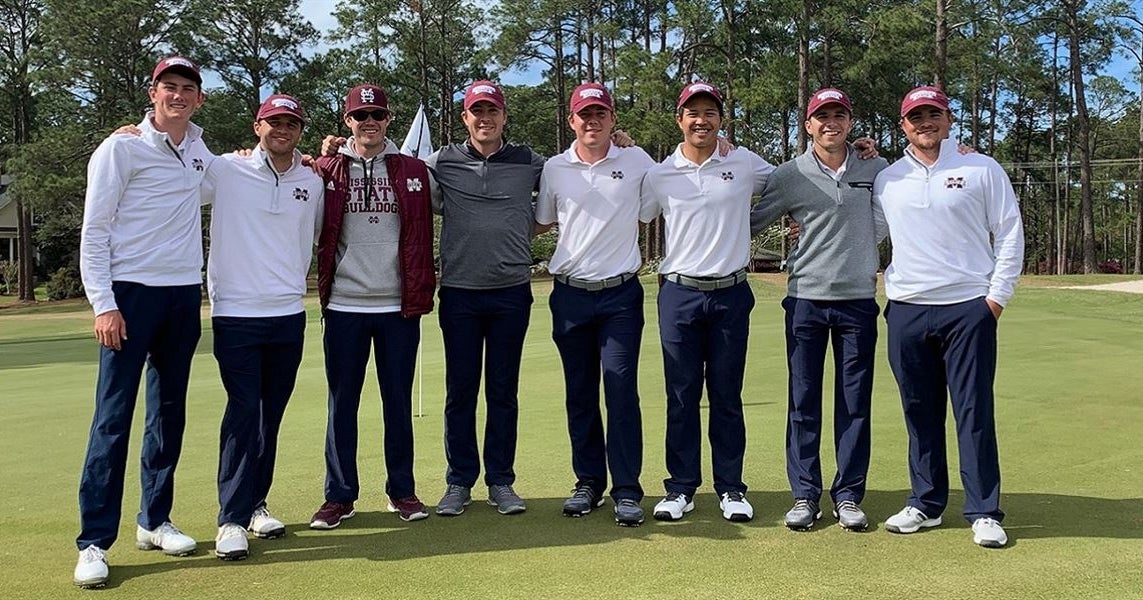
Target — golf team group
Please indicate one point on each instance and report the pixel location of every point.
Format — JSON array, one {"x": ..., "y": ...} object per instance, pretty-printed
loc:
[{"x": 957, "y": 251}]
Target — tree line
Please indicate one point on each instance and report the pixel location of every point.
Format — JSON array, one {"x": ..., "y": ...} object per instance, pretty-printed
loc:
[{"x": 1028, "y": 78}]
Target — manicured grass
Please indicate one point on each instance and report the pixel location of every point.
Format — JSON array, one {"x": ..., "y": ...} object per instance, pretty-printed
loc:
[{"x": 1069, "y": 418}]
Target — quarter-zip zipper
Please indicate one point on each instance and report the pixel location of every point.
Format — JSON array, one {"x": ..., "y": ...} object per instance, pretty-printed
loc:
[
  {"x": 274, "y": 204},
  {"x": 175, "y": 151}
]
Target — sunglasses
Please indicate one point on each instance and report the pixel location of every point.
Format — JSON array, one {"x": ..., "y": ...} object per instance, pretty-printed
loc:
[{"x": 379, "y": 114}]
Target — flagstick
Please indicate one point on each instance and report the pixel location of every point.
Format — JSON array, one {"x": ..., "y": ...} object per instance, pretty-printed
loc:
[{"x": 421, "y": 372}]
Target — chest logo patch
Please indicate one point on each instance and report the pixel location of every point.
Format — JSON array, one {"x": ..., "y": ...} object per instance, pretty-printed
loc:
[
  {"x": 954, "y": 183},
  {"x": 301, "y": 194},
  {"x": 414, "y": 184},
  {"x": 617, "y": 174},
  {"x": 727, "y": 175},
  {"x": 197, "y": 164}
]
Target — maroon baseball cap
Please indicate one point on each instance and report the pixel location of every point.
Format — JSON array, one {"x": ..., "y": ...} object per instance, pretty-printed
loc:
[
  {"x": 590, "y": 94},
  {"x": 699, "y": 87},
  {"x": 483, "y": 91},
  {"x": 281, "y": 104},
  {"x": 825, "y": 97},
  {"x": 177, "y": 64},
  {"x": 925, "y": 95},
  {"x": 364, "y": 97}
]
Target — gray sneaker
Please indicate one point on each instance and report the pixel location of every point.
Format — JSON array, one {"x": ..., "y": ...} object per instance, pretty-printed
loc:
[
  {"x": 504, "y": 498},
  {"x": 582, "y": 500},
  {"x": 802, "y": 516},
  {"x": 455, "y": 498},
  {"x": 628, "y": 513},
  {"x": 850, "y": 516}
]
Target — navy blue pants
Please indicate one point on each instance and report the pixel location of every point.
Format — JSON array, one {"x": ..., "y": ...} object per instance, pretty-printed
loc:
[
  {"x": 348, "y": 339},
  {"x": 483, "y": 330},
  {"x": 851, "y": 325},
  {"x": 163, "y": 328},
  {"x": 937, "y": 352},
  {"x": 599, "y": 333},
  {"x": 258, "y": 360},
  {"x": 704, "y": 338}
]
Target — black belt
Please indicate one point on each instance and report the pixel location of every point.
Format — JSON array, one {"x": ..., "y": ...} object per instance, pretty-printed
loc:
[
  {"x": 593, "y": 285},
  {"x": 707, "y": 284}
]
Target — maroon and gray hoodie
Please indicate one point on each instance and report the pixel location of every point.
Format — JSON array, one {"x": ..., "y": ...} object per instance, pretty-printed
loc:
[{"x": 375, "y": 251}]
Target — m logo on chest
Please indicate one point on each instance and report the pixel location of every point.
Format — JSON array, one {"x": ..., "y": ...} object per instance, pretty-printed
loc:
[
  {"x": 954, "y": 183},
  {"x": 727, "y": 175},
  {"x": 301, "y": 195},
  {"x": 617, "y": 174},
  {"x": 197, "y": 164},
  {"x": 414, "y": 184}
]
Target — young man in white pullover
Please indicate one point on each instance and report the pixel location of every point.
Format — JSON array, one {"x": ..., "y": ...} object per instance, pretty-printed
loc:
[
  {"x": 141, "y": 263},
  {"x": 266, "y": 214},
  {"x": 958, "y": 249}
]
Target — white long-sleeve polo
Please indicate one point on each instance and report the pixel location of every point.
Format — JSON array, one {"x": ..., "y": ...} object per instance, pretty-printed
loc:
[
  {"x": 597, "y": 207},
  {"x": 706, "y": 209},
  {"x": 142, "y": 219},
  {"x": 262, "y": 231},
  {"x": 955, "y": 226}
]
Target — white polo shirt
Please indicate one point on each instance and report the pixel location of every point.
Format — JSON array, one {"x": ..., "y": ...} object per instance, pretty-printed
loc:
[
  {"x": 706, "y": 209},
  {"x": 142, "y": 213},
  {"x": 956, "y": 229},
  {"x": 262, "y": 231},
  {"x": 597, "y": 208}
]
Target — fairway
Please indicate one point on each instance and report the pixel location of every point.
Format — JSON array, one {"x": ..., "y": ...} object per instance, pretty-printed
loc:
[{"x": 1069, "y": 419}]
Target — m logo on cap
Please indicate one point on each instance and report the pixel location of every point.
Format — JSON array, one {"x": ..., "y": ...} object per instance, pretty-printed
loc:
[
  {"x": 830, "y": 95},
  {"x": 180, "y": 62},
  {"x": 285, "y": 102},
  {"x": 929, "y": 94},
  {"x": 367, "y": 96},
  {"x": 701, "y": 87},
  {"x": 483, "y": 89},
  {"x": 591, "y": 93}
]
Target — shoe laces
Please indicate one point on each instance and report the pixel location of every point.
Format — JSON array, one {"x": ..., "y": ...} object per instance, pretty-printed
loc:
[
  {"x": 583, "y": 492},
  {"x": 454, "y": 491},
  {"x": 92, "y": 554},
  {"x": 734, "y": 496},
  {"x": 847, "y": 506},
  {"x": 914, "y": 513},
  {"x": 230, "y": 530},
  {"x": 503, "y": 490},
  {"x": 168, "y": 528},
  {"x": 262, "y": 512},
  {"x": 988, "y": 522},
  {"x": 802, "y": 504},
  {"x": 626, "y": 503},
  {"x": 676, "y": 497}
]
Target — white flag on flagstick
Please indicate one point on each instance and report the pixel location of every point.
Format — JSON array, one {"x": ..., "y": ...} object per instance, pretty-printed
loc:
[{"x": 417, "y": 143}]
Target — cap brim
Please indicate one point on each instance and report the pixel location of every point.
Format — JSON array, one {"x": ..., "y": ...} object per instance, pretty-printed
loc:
[
  {"x": 810, "y": 111},
  {"x": 590, "y": 103},
  {"x": 368, "y": 107},
  {"x": 717, "y": 100},
  {"x": 280, "y": 112},
  {"x": 187, "y": 72},
  {"x": 468, "y": 105},
  {"x": 914, "y": 106}
]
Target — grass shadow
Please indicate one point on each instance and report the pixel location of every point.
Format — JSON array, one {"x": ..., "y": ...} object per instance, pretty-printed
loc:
[{"x": 380, "y": 536}]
